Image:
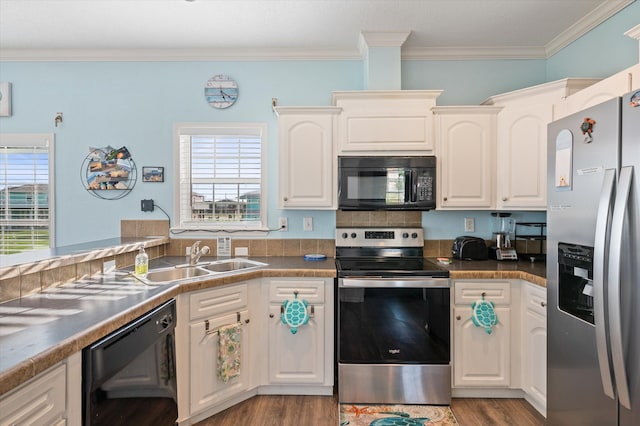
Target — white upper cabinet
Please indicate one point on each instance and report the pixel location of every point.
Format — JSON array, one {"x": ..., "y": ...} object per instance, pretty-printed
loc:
[
  {"x": 466, "y": 138},
  {"x": 396, "y": 122},
  {"x": 617, "y": 85},
  {"x": 307, "y": 169},
  {"x": 521, "y": 166}
]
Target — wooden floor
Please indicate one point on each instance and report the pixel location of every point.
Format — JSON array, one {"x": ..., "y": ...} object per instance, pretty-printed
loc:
[{"x": 278, "y": 410}]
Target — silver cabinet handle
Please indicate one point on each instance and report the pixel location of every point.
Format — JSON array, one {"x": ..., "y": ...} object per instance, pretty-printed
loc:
[
  {"x": 599, "y": 282},
  {"x": 613, "y": 285}
]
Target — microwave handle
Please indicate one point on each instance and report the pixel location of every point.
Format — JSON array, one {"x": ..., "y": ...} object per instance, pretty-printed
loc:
[
  {"x": 408, "y": 194},
  {"x": 414, "y": 186}
]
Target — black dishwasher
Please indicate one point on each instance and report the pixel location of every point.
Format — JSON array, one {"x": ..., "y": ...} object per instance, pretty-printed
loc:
[{"x": 129, "y": 376}]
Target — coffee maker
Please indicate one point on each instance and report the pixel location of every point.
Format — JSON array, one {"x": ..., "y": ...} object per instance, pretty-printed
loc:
[{"x": 504, "y": 231}]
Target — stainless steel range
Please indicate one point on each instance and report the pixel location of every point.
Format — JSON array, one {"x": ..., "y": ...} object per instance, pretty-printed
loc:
[{"x": 393, "y": 320}]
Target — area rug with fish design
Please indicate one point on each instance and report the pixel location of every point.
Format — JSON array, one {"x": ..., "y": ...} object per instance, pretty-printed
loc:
[{"x": 395, "y": 415}]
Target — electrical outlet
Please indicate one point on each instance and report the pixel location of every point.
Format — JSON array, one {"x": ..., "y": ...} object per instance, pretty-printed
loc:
[
  {"x": 469, "y": 224},
  {"x": 284, "y": 224},
  {"x": 146, "y": 205},
  {"x": 307, "y": 224}
]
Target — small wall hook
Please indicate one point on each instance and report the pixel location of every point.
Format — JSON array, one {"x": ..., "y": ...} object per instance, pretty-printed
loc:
[{"x": 58, "y": 118}]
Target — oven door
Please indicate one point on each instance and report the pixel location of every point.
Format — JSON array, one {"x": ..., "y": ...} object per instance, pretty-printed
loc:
[
  {"x": 394, "y": 341},
  {"x": 394, "y": 321}
]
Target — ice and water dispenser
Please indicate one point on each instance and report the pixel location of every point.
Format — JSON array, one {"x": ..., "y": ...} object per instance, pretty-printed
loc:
[{"x": 575, "y": 280}]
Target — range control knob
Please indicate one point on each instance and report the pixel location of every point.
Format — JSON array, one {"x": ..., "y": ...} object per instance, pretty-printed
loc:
[
  {"x": 353, "y": 235},
  {"x": 405, "y": 235},
  {"x": 414, "y": 235},
  {"x": 345, "y": 235}
]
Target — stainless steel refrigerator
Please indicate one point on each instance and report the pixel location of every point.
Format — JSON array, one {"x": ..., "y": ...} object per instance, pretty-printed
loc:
[{"x": 593, "y": 266}]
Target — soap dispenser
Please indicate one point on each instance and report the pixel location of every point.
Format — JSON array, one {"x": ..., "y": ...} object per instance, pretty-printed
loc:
[{"x": 142, "y": 263}]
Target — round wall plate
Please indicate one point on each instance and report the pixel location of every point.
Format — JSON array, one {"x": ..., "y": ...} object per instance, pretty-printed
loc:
[{"x": 221, "y": 91}]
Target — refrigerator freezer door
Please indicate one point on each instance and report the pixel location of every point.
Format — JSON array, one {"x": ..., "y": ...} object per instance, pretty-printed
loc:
[
  {"x": 630, "y": 258},
  {"x": 575, "y": 389}
]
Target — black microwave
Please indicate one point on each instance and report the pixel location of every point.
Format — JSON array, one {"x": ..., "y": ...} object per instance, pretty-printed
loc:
[{"x": 387, "y": 183}]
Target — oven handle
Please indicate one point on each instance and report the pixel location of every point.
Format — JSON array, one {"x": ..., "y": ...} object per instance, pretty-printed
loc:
[{"x": 379, "y": 282}]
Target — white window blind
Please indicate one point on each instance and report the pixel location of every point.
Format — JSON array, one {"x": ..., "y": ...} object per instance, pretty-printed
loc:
[
  {"x": 26, "y": 201},
  {"x": 220, "y": 176}
]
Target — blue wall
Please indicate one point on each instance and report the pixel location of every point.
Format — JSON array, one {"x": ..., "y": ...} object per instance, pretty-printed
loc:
[{"x": 135, "y": 104}]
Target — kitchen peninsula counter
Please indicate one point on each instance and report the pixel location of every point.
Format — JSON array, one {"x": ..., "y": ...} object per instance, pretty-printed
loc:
[{"x": 50, "y": 326}]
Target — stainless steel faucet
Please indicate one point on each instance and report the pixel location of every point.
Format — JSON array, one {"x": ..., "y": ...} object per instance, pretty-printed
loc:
[{"x": 196, "y": 252}]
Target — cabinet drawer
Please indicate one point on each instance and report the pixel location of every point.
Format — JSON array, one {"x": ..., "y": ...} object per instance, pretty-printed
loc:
[
  {"x": 310, "y": 290},
  {"x": 467, "y": 292},
  {"x": 535, "y": 299},
  {"x": 209, "y": 303},
  {"x": 42, "y": 400}
]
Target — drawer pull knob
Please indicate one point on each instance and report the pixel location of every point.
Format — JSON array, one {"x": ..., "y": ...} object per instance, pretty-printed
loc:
[
  {"x": 543, "y": 304},
  {"x": 271, "y": 315},
  {"x": 458, "y": 317}
]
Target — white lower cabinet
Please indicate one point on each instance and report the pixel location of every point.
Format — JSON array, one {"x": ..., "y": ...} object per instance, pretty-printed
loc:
[
  {"x": 534, "y": 352},
  {"x": 206, "y": 387},
  {"x": 273, "y": 360},
  {"x": 481, "y": 359},
  {"x": 304, "y": 357},
  {"x": 201, "y": 392},
  {"x": 51, "y": 398},
  {"x": 511, "y": 361}
]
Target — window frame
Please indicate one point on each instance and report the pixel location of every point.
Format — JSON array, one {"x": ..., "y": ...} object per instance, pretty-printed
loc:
[
  {"x": 41, "y": 140},
  {"x": 204, "y": 128}
]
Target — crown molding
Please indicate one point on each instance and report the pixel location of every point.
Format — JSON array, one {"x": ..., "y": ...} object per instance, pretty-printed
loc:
[
  {"x": 467, "y": 53},
  {"x": 634, "y": 32},
  {"x": 586, "y": 24}
]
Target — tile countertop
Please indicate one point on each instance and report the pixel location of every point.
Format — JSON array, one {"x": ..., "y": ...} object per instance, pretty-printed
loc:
[{"x": 43, "y": 329}]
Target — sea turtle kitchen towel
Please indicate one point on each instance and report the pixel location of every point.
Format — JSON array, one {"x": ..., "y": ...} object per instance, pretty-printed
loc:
[{"x": 229, "y": 351}]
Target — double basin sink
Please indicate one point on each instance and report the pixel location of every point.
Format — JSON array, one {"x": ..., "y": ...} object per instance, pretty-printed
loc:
[{"x": 185, "y": 272}]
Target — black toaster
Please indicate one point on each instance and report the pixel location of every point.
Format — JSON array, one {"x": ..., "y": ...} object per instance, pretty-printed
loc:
[{"x": 470, "y": 248}]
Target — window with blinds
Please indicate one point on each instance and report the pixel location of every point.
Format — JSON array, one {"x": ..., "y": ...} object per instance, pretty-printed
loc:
[
  {"x": 26, "y": 188},
  {"x": 221, "y": 176}
]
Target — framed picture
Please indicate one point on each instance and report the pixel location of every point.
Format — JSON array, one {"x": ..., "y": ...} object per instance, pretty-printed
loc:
[
  {"x": 5, "y": 99},
  {"x": 153, "y": 174}
]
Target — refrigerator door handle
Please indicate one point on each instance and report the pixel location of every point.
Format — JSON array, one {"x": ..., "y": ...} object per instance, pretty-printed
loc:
[
  {"x": 614, "y": 284},
  {"x": 599, "y": 279}
]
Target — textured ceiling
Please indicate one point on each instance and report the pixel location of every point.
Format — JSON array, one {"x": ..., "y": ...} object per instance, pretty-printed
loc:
[{"x": 295, "y": 28}]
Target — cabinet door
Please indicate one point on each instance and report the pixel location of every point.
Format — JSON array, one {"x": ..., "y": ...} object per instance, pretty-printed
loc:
[
  {"x": 41, "y": 401},
  {"x": 207, "y": 389},
  {"x": 535, "y": 344},
  {"x": 522, "y": 157},
  {"x": 307, "y": 164},
  {"x": 481, "y": 359},
  {"x": 466, "y": 168},
  {"x": 300, "y": 357}
]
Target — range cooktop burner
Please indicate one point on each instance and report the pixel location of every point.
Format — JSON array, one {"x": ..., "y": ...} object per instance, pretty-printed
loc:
[
  {"x": 383, "y": 252},
  {"x": 389, "y": 267}
]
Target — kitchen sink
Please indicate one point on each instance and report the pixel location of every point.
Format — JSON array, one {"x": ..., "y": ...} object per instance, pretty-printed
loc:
[
  {"x": 229, "y": 265},
  {"x": 174, "y": 274}
]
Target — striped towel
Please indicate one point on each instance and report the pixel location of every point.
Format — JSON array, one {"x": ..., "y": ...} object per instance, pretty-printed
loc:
[{"x": 229, "y": 351}]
